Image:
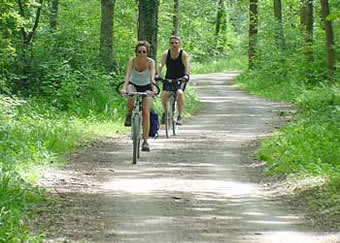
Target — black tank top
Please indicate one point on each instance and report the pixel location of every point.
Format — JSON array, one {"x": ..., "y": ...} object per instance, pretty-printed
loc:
[{"x": 174, "y": 67}]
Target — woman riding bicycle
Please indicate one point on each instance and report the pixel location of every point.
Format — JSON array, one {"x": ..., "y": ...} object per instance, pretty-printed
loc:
[{"x": 140, "y": 75}]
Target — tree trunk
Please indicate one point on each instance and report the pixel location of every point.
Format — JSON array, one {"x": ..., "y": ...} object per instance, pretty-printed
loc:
[
  {"x": 106, "y": 33},
  {"x": 253, "y": 29},
  {"x": 176, "y": 17},
  {"x": 28, "y": 36},
  {"x": 280, "y": 42},
  {"x": 329, "y": 37},
  {"x": 54, "y": 14},
  {"x": 306, "y": 20},
  {"x": 219, "y": 17},
  {"x": 148, "y": 24},
  {"x": 23, "y": 84}
]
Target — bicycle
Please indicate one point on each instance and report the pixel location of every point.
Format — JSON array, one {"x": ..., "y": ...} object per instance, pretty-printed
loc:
[
  {"x": 136, "y": 119},
  {"x": 171, "y": 113}
]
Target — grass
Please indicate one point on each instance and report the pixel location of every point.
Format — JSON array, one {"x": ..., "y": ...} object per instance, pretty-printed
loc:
[
  {"x": 232, "y": 63},
  {"x": 17, "y": 201},
  {"x": 33, "y": 137}
]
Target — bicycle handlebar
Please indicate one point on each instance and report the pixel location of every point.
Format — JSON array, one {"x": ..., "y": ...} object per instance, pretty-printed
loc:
[
  {"x": 176, "y": 80},
  {"x": 144, "y": 94}
]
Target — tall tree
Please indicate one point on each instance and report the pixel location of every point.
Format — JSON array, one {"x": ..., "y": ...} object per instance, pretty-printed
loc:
[
  {"x": 329, "y": 37},
  {"x": 279, "y": 29},
  {"x": 54, "y": 14},
  {"x": 220, "y": 18},
  {"x": 23, "y": 84},
  {"x": 27, "y": 35},
  {"x": 148, "y": 23},
  {"x": 106, "y": 33},
  {"x": 176, "y": 17},
  {"x": 253, "y": 30},
  {"x": 306, "y": 21}
]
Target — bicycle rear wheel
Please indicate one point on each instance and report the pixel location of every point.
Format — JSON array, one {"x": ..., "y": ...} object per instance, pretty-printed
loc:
[{"x": 135, "y": 137}]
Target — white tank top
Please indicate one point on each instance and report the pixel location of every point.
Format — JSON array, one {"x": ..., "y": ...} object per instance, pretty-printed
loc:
[{"x": 140, "y": 78}]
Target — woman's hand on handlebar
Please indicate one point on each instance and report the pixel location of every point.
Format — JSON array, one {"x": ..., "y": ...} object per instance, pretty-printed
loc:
[
  {"x": 123, "y": 92},
  {"x": 158, "y": 78},
  {"x": 151, "y": 92},
  {"x": 185, "y": 78}
]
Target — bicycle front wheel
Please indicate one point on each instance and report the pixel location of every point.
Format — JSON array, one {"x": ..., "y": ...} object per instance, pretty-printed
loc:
[
  {"x": 168, "y": 118},
  {"x": 174, "y": 118},
  {"x": 135, "y": 137},
  {"x": 168, "y": 124}
]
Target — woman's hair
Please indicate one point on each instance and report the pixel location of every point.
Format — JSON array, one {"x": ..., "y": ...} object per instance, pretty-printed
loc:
[
  {"x": 175, "y": 37},
  {"x": 143, "y": 43}
]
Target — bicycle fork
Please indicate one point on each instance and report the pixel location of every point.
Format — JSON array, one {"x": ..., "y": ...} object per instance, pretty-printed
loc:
[{"x": 136, "y": 135}]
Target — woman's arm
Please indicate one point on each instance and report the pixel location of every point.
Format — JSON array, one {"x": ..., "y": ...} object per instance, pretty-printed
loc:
[
  {"x": 161, "y": 63},
  {"x": 186, "y": 62},
  {"x": 152, "y": 71}
]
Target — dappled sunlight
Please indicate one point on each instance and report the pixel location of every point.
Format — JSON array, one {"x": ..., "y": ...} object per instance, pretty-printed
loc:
[
  {"x": 294, "y": 237},
  {"x": 270, "y": 222},
  {"x": 166, "y": 185},
  {"x": 254, "y": 213},
  {"x": 216, "y": 115}
]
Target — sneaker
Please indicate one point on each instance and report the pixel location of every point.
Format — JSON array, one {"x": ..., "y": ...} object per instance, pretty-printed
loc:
[
  {"x": 163, "y": 119},
  {"x": 179, "y": 120},
  {"x": 145, "y": 146},
  {"x": 127, "y": 122}
]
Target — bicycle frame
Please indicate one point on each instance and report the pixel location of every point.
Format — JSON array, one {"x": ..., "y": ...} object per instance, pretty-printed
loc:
[
  {"x": 136, "y": 120},
  {"x": 170, "y": 113},
  {"x": 136, "y": 123},
  {"x": 136, "y": 127}
]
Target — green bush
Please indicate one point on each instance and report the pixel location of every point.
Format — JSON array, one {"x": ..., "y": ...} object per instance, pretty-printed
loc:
[
  {"x": 311, "y": 144},
  {"x": 17, "y": 199},
  {"x": 33, "y": 134}
]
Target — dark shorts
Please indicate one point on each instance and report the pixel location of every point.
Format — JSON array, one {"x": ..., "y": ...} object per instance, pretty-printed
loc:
[
  {"x": 142, "y": 88},
  {"x": 173, "y": 86}
]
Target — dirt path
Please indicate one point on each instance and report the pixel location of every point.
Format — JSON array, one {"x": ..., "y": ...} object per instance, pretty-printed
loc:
[{"x": 196, "y": 187}]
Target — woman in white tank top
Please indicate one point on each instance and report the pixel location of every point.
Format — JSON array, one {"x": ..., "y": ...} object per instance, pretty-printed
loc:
[{"x": 140, "y": 75}]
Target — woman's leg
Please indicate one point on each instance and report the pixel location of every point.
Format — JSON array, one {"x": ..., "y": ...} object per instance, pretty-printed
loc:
[
  {"x": 164, "y": 100},
  {"x": 131, "y": 100},
  {"x": 180, "y": 101},
  {"x": 147, "y": 103},
  {"x": 165, "y": 95}
]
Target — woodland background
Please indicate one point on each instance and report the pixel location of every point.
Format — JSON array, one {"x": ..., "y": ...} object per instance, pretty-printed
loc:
[{"x": 60, "y": 61}]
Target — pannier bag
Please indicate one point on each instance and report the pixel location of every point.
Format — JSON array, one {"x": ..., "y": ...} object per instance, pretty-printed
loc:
[{"x": 154, "y": 124}]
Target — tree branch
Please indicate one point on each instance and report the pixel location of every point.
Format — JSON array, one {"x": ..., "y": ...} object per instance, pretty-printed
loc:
[
  {"x": 22, "y": 13},
  {"x": 36, "y": 23}
]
